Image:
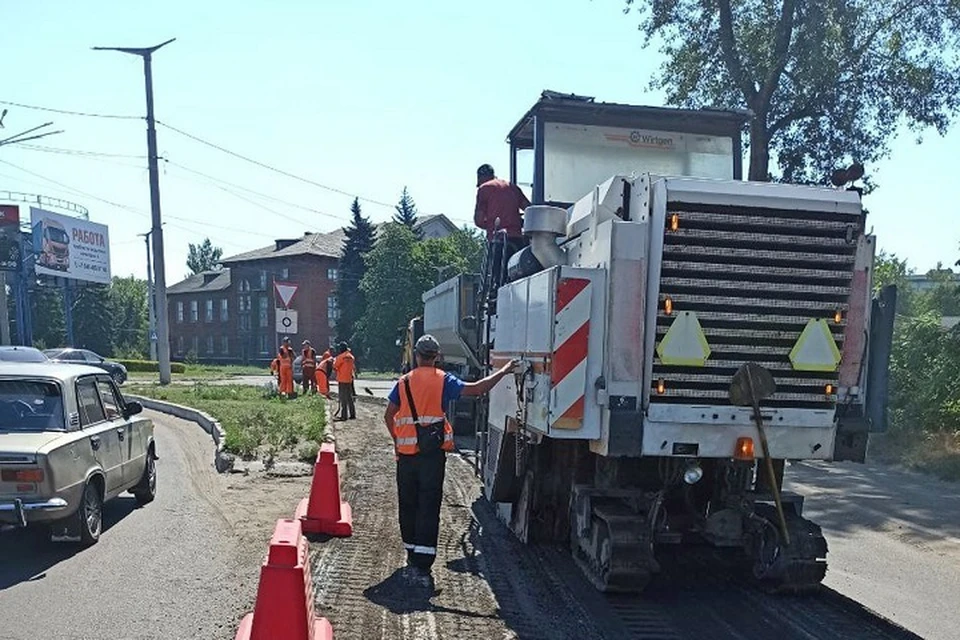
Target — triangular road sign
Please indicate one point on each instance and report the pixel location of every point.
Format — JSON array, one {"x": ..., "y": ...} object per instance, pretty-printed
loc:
[
  {"x": 684, "y": 344},
  {"x": 285, "y": 290},
  {"x": 816, "y": 350}
]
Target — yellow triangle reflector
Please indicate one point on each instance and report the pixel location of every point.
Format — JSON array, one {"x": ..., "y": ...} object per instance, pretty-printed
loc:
[
  {"x": 816, "y": 350},
  {"x": 684, "y": 345}
]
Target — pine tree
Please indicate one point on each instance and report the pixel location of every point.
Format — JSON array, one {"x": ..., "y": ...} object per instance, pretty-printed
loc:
[
  {"x": 407, "y": 213},
  {"x": 358, "y": 242}
]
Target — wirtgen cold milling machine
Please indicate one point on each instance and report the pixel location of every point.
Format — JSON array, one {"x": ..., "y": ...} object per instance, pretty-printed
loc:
[{"x": 681, "y": 338}]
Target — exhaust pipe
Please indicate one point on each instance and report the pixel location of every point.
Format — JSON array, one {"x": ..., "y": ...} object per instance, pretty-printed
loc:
[{"x": 543, "y": 225}]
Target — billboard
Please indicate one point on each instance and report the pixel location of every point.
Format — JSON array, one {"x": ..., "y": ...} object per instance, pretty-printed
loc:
[
  {"x": 70, "y": 247},
  {"x": 9, "y": 237}
]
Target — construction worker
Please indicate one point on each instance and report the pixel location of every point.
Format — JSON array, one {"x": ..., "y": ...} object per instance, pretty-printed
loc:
[
  {"x": 308, "y": 368},
  {"x": 499, "y": 207},
  {"x": 345, "y": 366},
  {"x": 324, "y": 369},
  {"x": 286, "y": 358},
  {"x": 275, "y": 368},
  {"x": 422, "y": 435}
]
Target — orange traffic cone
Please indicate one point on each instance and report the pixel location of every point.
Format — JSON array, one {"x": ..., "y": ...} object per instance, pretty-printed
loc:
[
  {"x": 284, "y": 607},
  {"x": 323, "y": 511}
]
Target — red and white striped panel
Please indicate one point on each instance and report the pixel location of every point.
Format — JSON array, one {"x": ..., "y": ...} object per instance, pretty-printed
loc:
[{"x": 568, "y": 372}]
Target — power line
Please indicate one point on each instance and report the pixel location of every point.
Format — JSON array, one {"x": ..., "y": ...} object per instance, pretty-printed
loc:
[
  {"x": 272, "y": 168},
  {"x": 86, "y": 114},
  {"x": 79, "y": 152},
  {"x": 257, "y": 193}
]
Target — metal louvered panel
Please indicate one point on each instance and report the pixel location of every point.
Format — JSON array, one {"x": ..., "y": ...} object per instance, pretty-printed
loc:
[{"x": 754, "y": 277}]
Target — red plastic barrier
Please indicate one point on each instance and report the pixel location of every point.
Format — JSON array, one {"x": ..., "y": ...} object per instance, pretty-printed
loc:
[
  {"x": 323, "y": 511},
  {"x": 284, "y": 608}
]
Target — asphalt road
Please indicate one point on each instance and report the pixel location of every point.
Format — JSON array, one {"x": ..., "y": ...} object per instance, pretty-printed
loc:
[
  {"x": 162, "y": 571},
  {"x": 894, "y": 539}
]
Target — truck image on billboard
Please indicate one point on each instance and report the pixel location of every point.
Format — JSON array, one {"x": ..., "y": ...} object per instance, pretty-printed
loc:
[{"x": 70, "y": 247}]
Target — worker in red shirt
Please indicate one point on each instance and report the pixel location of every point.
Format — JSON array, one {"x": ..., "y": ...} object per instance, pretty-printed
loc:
[{"x": 500, "y": 206}]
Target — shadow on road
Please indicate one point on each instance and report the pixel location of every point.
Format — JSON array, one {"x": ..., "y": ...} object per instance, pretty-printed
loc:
[
  {"x": 846, "y": 496},
  {"x": 397, "y": 594},
  {"x": 27, "y": 554}
]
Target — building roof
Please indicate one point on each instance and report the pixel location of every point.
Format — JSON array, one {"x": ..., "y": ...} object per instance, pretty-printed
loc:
[
  {"x": 324, "y": 245},
  {"x": 569, "y": 108},
  {"x": 205, "y": 281}
]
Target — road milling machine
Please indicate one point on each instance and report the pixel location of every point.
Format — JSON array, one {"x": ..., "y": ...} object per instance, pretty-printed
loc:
[{"x": 682, "y": 334}]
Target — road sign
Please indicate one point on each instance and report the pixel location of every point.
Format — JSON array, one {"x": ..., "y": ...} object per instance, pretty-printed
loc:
[
  {"x": 286, "y": 321},
  {"x": 285, "y": 291},
  {"x": 153, "y": 336}
]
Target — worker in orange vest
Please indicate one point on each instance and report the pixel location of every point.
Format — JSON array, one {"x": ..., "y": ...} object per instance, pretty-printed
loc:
[
  {"x": 286, "y": 358},
  {"x": 275, "y": 368},
  {"x": 345, "y": 366},
  {"x": 422, "y": 435},
  {"x": 324, "y": 369},
  {"x": 308, "y": 368}
]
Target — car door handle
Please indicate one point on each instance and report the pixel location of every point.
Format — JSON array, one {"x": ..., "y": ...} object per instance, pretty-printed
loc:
[
  {"x": 122, "y": 432},
  {"x": 95, "y": 442}
]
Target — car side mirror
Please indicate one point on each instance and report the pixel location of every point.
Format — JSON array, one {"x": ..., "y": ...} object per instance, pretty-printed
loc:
[{"x": 133, "y": 408}]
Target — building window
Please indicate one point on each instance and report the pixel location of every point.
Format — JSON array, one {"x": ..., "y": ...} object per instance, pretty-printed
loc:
[
  {"x": 244, "y": 285},
  {"x": 263, "y": 312},
  {"x": 331, "y": 273},
  {"x": 285, "y": 273},
  {"x": 208, "y": 316},
  {"x": 225, "y": 345},
  {"x": 224, "y": 310},
  {"x": 333, "y": 311},
  {"x": 244, "y": 323},
  {"x": 180, "y": 344},
  {"x": 264, "y": 345},
  {"x": 195, "y": 345},
  {"x": 194, "y": 313},
  {"x": 210, "y": 344},
  {"x": 263, "y": 280},
  {"x": 179, "y": 312}
]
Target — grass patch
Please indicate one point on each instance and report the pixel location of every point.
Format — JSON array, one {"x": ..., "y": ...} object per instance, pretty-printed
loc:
[
  {"x": 206, "y": 372},
  {"x": 937, "y": 453},
  {"x": 257, "y": 421}
]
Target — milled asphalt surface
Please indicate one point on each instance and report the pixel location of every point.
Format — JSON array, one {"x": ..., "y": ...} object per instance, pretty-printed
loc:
[{"x": 161, "y": 571}]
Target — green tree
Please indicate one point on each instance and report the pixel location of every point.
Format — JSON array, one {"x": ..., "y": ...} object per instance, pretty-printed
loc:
[
  {"x": 129, "y": 311},
  {"x": 390, "y": 286},
  {"x": 827, "y": 80},
  {"x": 400, "y": 269},
  {"x": 358, "y": 242},
  {"x": 470, "y": 244},
  {"x": 407, "y": 213},
  {"x": 93, "y": 321},
  {"x": 46, "y": 307},
  {"x": 203, "y": 257}
]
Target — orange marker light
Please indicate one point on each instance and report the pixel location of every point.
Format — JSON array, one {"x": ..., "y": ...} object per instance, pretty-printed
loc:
[
  {"x": 744, "y": 449},
  {"x": 668, "y": 306},
  {"x": 674, "y": 221},
  {"x": 661, "y": 387},
  {"x": 838, "y": 316},
  {"x": 829, "y": 389}
]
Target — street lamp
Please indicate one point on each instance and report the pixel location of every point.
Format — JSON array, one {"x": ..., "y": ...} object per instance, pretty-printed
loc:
[{"x": 160, "y": 279}]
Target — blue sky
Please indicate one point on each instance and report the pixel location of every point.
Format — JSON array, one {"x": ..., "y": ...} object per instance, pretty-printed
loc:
[{"x": 363, "y": 96}]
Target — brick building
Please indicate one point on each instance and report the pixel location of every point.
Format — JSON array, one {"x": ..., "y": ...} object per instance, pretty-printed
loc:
[{"x": 230, "y": 316}]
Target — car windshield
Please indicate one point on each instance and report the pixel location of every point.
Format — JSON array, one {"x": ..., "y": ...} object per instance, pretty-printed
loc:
[
  {"x": 26, "y": 354},
  {"x": 57, "y": 235},
  {"x": 30, "y": 405}
]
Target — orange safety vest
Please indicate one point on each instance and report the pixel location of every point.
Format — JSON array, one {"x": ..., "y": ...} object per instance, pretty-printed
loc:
[
  {"x": 309, "y": 358},
  {"x": 426, "y": 387}
]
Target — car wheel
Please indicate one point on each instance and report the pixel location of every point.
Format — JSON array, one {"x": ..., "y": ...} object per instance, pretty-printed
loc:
[
  {"x": 90, "y": 515},
  {"x": 146, "y": 489}
]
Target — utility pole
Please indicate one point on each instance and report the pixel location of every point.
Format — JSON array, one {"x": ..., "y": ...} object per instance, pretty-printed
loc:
[
  {"x": 162, "y": 321},
  {"x": 152, "y": 335}
]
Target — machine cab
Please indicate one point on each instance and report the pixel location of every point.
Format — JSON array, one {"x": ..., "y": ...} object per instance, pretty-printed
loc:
[{"x": 574, "y": 143}]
